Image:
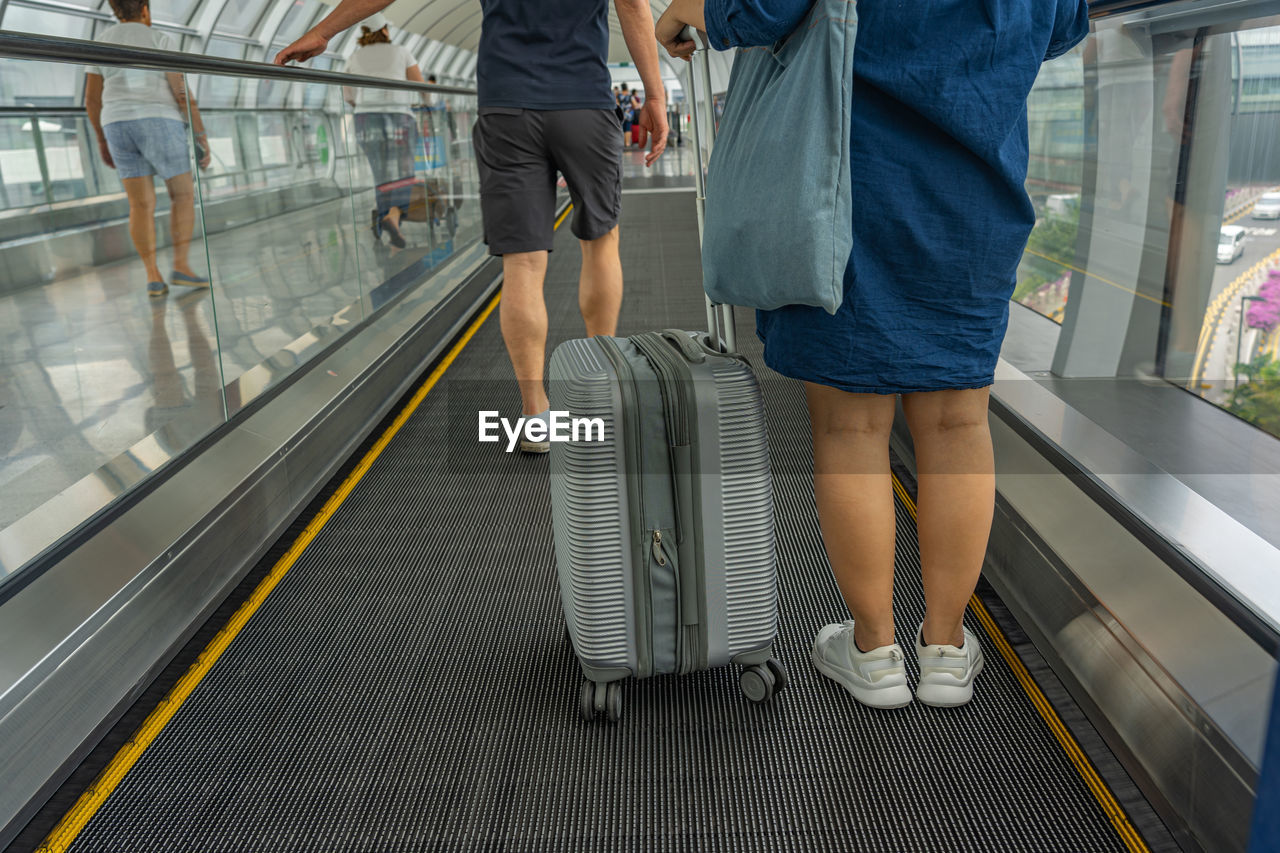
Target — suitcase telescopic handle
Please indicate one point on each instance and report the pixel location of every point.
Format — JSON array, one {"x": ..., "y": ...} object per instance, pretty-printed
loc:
[{"x": 720, "y": 322}]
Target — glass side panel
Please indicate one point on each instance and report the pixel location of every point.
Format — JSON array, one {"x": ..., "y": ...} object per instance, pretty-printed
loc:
[
  {"x": 102, "y": 381},
  {"x": 1055, "y": 175},
  {"x": 1161, "y": 255},
  {"x": 104, "y": 377},
  {"x": 277, "y": 205},
  {"x": 417, "y": 188},
  {"x": 215, "y": 92}
]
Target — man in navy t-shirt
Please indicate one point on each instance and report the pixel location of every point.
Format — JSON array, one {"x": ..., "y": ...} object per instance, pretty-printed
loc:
[{"x": 545, "y": 106}]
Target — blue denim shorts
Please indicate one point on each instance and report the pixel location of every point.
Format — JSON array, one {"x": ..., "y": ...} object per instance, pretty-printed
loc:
[{"x": 148, "y": 146}]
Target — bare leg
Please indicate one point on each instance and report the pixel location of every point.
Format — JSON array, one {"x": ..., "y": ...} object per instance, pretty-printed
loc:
[
  {"x": 524, "y": 324},
  {"x": 141, "y": 193},
  {"x": 182, "y": 217},
  {"x": 600, "y": 284},
  {"x": 855, "y": 503},
  {"x": 393, "y": 216},
  {"x": 956, "y": 471}
]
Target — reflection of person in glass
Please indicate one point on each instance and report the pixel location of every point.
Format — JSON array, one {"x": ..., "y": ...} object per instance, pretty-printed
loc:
[
  {"x": 169, "y": 391},
  {"x": 140, "y": 117},
  {"x": 385, "y": 125}
]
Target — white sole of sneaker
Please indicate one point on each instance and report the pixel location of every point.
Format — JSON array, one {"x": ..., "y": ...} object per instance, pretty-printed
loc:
[
  {"x": 948, "y": 692},
  {"x": 883, "y": 696},
  {"x": 535, "y": 446}
]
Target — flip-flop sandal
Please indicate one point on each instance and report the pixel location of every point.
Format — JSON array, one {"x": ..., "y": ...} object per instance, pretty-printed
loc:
[
  {"x": 188, "y": 280},
  {"x": 397, "y": 239}
]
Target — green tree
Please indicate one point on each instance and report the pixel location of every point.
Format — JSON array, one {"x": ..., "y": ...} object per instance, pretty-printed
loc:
[
  {"x": 1053, "y": 237},
  {"x": 1258, "y": 400}
]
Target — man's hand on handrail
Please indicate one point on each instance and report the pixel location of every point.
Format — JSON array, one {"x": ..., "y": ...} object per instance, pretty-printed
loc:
[
  {"x": 311, "y": 44},
  {"x": 314, "y": 43}
]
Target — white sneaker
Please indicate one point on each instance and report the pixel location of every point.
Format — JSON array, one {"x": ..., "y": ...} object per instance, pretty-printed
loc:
[
  {"x": 528, "y": 445},
  {"x": 876, "y": 678},
  {"x": 947, "y": 672}
]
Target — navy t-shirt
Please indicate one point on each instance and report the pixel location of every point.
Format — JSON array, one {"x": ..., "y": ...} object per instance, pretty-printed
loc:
[{"x": 544, "y": 55}]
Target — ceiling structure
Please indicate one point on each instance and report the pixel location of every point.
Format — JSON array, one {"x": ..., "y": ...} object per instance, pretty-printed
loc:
[{"x": 457, "y": 22}]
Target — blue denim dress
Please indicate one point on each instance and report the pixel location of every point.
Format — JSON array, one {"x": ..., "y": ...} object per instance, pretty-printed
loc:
[{"x": 939, "y": 157}]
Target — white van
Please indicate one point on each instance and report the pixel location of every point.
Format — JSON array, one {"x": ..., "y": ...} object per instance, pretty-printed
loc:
[
  {"x": 1230, "y": 243},
  {"x": 1062, "y": 205}
]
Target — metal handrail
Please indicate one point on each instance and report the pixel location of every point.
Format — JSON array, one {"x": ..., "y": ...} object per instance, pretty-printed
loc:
[{"x": 81, "y": 52}]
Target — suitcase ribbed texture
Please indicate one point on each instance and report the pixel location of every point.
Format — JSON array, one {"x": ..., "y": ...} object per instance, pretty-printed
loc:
[
  {"x": 751, "y": 585},
  {"x": 589, "y": 510}
]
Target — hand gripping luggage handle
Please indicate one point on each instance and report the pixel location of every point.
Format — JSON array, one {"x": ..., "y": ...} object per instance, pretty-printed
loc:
[{"x": 720, "y": 322}]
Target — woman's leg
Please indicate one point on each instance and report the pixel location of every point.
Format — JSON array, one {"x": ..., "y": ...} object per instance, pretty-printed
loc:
[
  {"x": 182, "y": 217},
  {"x": 956, "y": 473},
  {"x": 855, "y": 503},
  {"x": 141, "y": 193},
  {"x": 404, "y": 143},
  {"x": 372, "y": 138}
]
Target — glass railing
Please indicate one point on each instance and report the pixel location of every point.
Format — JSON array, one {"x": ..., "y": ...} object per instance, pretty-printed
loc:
[
  {"x": 1156, "y": 181},
  {"x": 115, "y": 357}
]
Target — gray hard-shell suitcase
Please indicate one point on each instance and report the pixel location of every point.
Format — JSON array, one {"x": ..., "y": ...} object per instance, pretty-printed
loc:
[{"x": 664, "y": 530}]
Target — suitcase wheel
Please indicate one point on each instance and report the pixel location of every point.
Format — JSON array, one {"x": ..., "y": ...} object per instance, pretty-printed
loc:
[
  {"x": 600, "y": 698},
  {"x": 780, "y": 677},
  {"x": 761, "y": 682}
]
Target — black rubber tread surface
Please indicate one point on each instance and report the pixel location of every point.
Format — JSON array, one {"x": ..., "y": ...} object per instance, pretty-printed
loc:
[{"x": 408, "y": 686}]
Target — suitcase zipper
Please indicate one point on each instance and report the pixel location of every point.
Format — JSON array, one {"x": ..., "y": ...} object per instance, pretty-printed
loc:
[
  {"x": 642, "y": 592},
  {"x": 675, "y": 381}
]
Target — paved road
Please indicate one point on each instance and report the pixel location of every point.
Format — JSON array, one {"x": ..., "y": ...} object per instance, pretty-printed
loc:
[{"x": 1219, "y": 359}]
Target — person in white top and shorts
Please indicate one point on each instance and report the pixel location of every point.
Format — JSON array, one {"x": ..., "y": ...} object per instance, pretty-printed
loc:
[
  {"x": 386, "y": 128},
  {"x": 140, "y": 119}
]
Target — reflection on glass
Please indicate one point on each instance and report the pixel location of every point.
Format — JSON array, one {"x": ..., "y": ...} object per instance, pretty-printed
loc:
[
  {"x": 101, "y": 383},
  {"x": 1155, "y": 177},
  {"x": 1055, "y": 174}
]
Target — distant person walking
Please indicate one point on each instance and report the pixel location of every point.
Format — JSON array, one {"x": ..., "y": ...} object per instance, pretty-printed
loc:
[
  {"x": 627, "y": 110},
  {"x": 386, "y": 128},
  {"x": 140, "y": 120}
]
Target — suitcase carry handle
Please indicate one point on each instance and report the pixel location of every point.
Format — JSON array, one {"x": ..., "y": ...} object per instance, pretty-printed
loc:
[
  {"x": 688, "y": 347},
  {"x": 720, "y": 322}
]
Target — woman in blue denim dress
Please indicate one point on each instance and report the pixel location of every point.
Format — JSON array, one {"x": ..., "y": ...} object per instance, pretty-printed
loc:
[{"x": 940, "y": 218}]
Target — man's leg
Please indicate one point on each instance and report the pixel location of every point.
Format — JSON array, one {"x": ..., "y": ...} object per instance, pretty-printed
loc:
[
  {"x": 517, "y": 200},
  {"x": 600, "y": 284},
  {"x": 523, "y": 315},
  {"x": 584, "y": 145}
]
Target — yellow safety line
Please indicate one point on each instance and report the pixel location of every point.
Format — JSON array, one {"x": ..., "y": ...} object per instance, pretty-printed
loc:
[
  {"x": 1132, "y": 840},
  {"x": 1128, "y": 290},
  {"x": 65, "y": 833},
  {"x": 69, "y": 827}
]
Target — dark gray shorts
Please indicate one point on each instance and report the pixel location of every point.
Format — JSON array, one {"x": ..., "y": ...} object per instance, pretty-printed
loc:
[{"x": 519, "y": 152}]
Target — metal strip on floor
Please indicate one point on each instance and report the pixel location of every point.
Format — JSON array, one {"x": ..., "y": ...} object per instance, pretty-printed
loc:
[{"x": 407, "y": 685}]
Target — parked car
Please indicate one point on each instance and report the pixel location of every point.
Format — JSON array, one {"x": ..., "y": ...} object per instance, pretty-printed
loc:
[
  {"x": 1267, "y": 207},
  {"x": 1230, "y": 243}
]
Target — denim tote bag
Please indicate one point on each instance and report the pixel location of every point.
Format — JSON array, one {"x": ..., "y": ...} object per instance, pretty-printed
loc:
[{"x": 779, "y": 210}]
